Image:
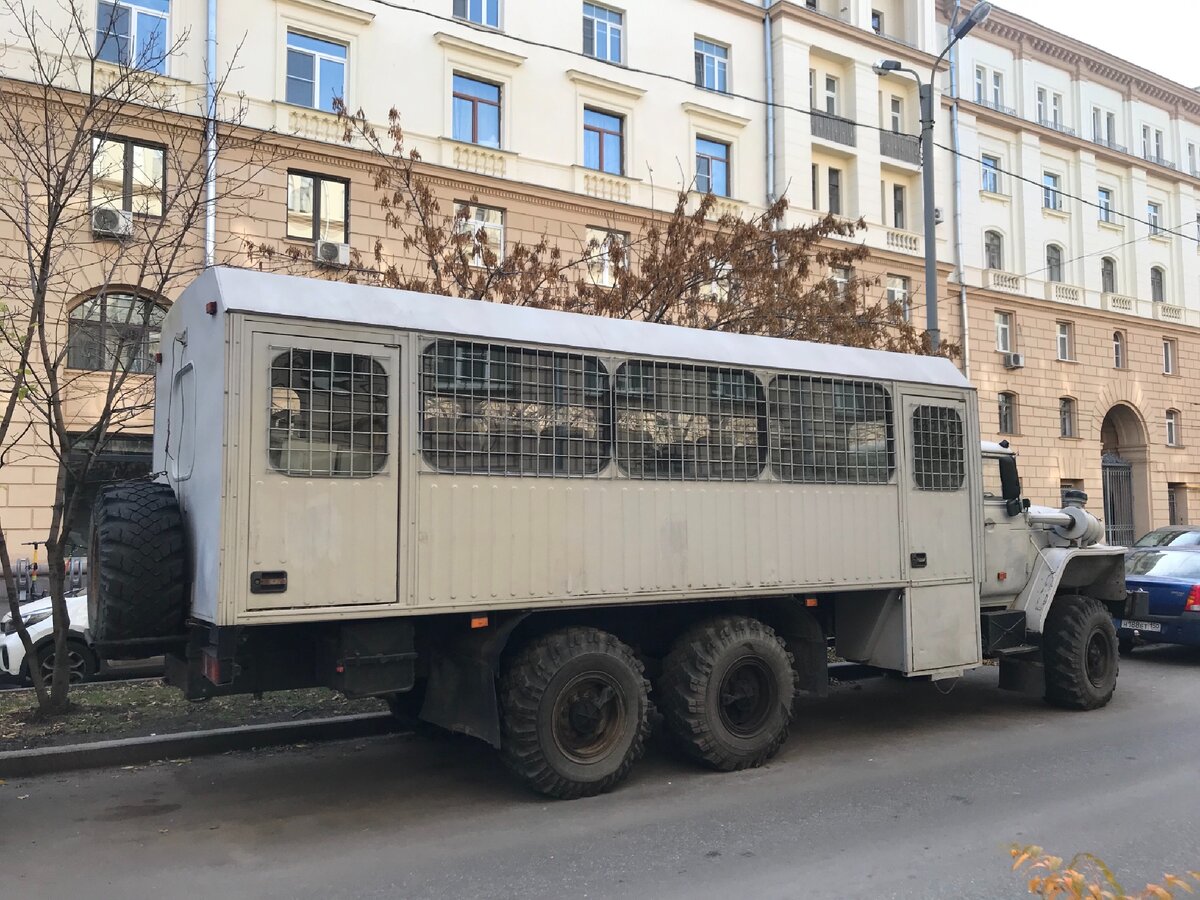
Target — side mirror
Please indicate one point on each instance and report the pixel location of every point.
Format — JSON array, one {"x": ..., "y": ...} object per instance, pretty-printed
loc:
[
  {"x": 1010, "y": 485},
  {"x": 1013, "y": 507}
]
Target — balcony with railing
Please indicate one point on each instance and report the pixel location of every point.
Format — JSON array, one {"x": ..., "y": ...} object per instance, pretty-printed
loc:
[
  {"x": 904, "y": 241},
  {"x": 904, "y": 147},
  {"x": 1057, "y": 126},
  {"x": 1111, "y": 145},
  {"x": 996, "y": 105},
  {"x": 834, "y": 128},
  {"x": 1004, "y": 281},
  {"x": 1158, "y": 160},
  {"x": 1064, "y": 293}
]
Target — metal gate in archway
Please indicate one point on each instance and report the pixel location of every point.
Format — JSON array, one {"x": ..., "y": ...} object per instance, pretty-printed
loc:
[{"x": 1118, "y": 500}]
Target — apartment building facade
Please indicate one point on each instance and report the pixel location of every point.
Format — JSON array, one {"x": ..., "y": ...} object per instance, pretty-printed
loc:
[
  {"x": 1080, "y": 206},
  {"x": 566, "y": 120}
]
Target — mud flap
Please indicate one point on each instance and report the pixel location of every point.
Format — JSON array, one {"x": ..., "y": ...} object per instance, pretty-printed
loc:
[{"x": 1024, "y": 674}]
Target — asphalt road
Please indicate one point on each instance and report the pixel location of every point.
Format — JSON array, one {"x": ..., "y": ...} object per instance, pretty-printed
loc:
[{"x": 886, "y": 789}]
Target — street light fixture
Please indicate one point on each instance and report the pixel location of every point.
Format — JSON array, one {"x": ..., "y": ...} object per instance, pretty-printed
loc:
[{"x": 886, "y": 67}]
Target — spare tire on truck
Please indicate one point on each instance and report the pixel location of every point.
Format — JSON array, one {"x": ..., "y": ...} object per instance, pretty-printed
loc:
[{"x": 137, "y": 570}]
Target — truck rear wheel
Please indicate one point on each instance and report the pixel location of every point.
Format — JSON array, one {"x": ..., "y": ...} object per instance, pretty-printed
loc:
[
  {"x": 576, "y": 712},
  {"x": 137, "y": 568},
  {"x": 1079, "y": 648},
  {"x": 726, "y": 692}
]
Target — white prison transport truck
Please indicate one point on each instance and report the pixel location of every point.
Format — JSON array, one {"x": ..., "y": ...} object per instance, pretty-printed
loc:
[{"x": 534, "y": 527}]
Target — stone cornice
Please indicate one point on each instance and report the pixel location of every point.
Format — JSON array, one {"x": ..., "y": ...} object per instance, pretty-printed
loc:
[
  {"x": 454, "y": 42},
  {"x": 336, "y": 10},
  {"x": 605, "y": 84},
  {"x": 707, "y": 112}
]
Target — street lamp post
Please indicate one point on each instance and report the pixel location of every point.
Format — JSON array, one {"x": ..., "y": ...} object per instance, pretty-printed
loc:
[{"x": 885, "y": 67}]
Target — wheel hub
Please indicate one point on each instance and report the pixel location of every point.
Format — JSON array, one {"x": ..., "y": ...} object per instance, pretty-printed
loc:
[
  {"x": 747, "y": 694},
  {"x": 1097, "y": 659},
  {"x": 588, "y": 717}
]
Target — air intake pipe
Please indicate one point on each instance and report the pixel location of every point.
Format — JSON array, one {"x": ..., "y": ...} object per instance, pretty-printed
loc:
[{"x": 1072, "y": 522}]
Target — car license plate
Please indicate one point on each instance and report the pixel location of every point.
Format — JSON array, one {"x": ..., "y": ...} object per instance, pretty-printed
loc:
[{"x": 1139, "y": 626}]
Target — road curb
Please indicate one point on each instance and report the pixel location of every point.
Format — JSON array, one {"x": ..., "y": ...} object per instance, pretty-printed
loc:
[{"x": 129, "y": 751}]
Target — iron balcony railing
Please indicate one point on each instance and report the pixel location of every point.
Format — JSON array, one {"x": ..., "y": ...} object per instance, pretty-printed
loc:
[
  {"x": 1158, "y": 160},
  {"x": 904, "y": 147},
  {"x": 1111, "y": 145},
  {"x": 1057, "y": 126},
  {"x": 998, "y": 107},
  {"x": 834, "y": 128}
]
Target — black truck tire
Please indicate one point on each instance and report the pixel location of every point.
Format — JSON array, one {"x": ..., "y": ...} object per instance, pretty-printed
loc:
[
  {"x": 726, "y": 692},
  {"x": 576, "y": 713},
  {"x": 137, "y": 569},
  {"x": 1079, "y": 649}
]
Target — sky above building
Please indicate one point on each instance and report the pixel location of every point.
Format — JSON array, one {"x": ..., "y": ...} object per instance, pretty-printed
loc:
[{"x": 1159, "y": 35}]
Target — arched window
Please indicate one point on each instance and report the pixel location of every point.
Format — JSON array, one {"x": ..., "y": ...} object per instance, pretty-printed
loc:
[
  {"x": 117, "y": 330},
  {"x": 1118, "y": 350},
  {"x": 993, "y": 250},
  {"x": 1054, "y": 263},
  {"x": 1173, "y": 428},
  {"x": 1007, "y": 409},
  {"x": 1066, "y": 417},
  {"x": 1158, "y": 284},
  {"x": 1108, "y": 275}
]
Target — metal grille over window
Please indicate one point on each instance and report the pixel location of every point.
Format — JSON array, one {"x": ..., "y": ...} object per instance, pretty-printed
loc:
[
  {"x": 937, "y": 448},
  {"x": 492, "y": 409},
  {"x": 680, "y": 422},
  {"x": 329, "y": 414},
  {"x": 831, "y": 431}
]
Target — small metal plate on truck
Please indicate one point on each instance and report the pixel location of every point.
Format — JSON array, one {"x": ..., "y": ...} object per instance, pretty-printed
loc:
[
  {"x": 1135, "y": 625},
  {"x": 268, "y": 582}
]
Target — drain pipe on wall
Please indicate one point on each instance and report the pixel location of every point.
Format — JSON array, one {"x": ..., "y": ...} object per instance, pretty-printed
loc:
[
  {"x": 210, "y": 137},
  {"x": 769, "y": 60},
  {"x": 958, "y": 203}
]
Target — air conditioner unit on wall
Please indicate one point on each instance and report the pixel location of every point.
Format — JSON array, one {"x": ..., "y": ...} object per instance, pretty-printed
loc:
[
  {"x": 331, "y": 253},
  {"x": 1014, "y": 361},
  {"x": 108, "y": 221}
]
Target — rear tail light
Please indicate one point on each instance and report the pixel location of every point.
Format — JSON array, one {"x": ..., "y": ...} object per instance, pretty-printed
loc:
[{"x": 1193, "y": 599}]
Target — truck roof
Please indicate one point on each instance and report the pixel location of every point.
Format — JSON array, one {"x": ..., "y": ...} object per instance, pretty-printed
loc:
[{"x": 248, "y": 291}]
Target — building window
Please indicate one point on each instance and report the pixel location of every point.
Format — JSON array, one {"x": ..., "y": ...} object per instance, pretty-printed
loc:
[
  {"x": 877, "y": 21},
  {"x": 604, "y": 141},
  {"x": 485, "y": 225},
  {"x": 989, "y": 174},
  {"x": 114, "y": 331},
  {"x": 1158, "y": 284},
  {"x": 133, "y": 33},
  {"x": 840, "y": 276},
  {"x": 329, "y": 414},
  {"x": 899, "y": 212},
  {"x": 1054, "y": 263},
  {"x": 985, "y": 81},
  {"x": 897, "y": 115},
  {"x": 476, "y": 111},
  {"x": 1004, "y": 332},
  {"x": 899, "y": 293},
  {"x": 1104, "y": 200},
  {"x": 1173, "y": 428},
  {"x": 1152, "y": 144},
  {"x": 1177, "y": 503},
  {"x": 831, "y": 95},
  {"x": 712, "y": 66},
  {"x": 1006, "y": 404},
  {"x": 812, "y": 88},
  {"x": 481, "y": 12},
  {"x": 1154, "y": 217},
  {"x": 1108, "y": 275},
  {"x": 603, "y": 31},
  {"x": 318, "y": 207},
  {"x": 1118, "y": 350},
  {"x": 1066, "y": 341},
  {"x": 980, "y": 84},
  {"x": 128, "y": 175},
  {"x": 1066, "y": 417},
  {"x": 835, "y": 191},
  {"x": 607, "y": 254},
  {"x": 712, "y": 167},
  {"x": 816, "y": 186},
  {"x": 1051, "y": 191},
  {"x": 316, "y": 71},
  {"x": 1168, "y": 346},
  {"x": 993, "y": 250},
  {"x": 997, "y": 90}
]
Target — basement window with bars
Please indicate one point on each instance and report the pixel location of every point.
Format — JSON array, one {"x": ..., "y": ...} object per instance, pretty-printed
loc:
[
  {"x": 937, "y": 440},
  {"x": 831, "y": 431},
  {"x": 494, "y": 409},
  {"x": 328, "y": 415},
  {"x": 680, "y": 422}
]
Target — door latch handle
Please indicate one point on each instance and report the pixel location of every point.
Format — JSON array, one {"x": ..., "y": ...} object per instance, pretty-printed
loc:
[{"x": 917, "y": 560}]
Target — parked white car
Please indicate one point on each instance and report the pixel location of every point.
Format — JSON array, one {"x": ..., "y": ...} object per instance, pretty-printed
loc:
[{"x": 36, "y": 613}]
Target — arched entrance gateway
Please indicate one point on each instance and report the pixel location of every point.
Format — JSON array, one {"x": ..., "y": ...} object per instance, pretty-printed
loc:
[{"x": 1124, "y": 449}]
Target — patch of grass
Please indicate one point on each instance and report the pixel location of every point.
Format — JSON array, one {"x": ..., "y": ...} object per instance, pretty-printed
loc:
[{"x": 102, "y": 712}]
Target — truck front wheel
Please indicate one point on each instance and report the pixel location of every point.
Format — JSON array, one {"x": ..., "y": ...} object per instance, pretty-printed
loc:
[
  {"x": 576, "y": 713},
  {"x": 726, "y": 692},
  {"x": 1079, "y": 647}
]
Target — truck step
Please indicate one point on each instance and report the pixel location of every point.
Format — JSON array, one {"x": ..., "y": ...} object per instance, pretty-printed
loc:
[{"x": 1019, "y": 650}]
